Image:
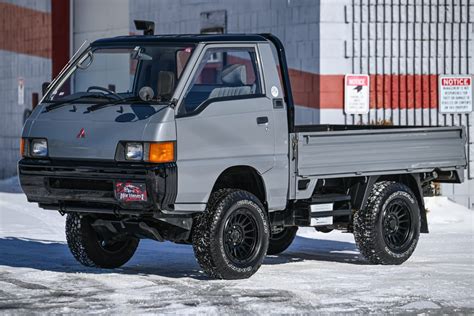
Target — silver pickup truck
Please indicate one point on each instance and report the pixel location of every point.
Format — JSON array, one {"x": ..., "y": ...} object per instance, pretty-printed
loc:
[{"x": 192, "y": 139}]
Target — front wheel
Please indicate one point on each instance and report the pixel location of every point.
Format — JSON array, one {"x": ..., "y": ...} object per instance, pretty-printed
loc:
[
  {"x": 91, "y": 250},
  {"x": 387, "y": 230},
  {"x": 230, "y": 238}
]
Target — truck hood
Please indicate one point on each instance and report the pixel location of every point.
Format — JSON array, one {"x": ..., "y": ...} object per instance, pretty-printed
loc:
[{"x": 75, "y": 133}]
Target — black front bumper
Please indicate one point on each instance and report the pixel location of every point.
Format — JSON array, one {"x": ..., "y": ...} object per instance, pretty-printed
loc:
[{"x": 88, "y": 186}]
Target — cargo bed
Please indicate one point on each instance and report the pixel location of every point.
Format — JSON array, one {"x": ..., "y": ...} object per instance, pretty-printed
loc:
[{"x": 328, "y": 151}]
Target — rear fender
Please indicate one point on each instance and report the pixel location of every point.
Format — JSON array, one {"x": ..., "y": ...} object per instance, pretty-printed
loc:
[{"x": 362, "y": 192}]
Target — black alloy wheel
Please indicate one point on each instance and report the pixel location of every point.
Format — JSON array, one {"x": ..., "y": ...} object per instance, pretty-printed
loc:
[
  {"x": 241, "y": 237},
  {"x": 397, "y": 226}
]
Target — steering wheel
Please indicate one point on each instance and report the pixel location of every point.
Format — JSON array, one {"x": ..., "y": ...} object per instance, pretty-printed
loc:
[{"x": 104, "y": 90}]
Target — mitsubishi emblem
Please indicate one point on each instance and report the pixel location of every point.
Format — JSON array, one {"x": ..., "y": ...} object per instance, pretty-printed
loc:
[{"x": 82, "y": 133}]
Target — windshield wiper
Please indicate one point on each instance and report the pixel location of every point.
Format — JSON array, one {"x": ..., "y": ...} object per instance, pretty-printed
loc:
[
  {"x": 59, "y": 104},
  {"x": 99, "y": 106}
]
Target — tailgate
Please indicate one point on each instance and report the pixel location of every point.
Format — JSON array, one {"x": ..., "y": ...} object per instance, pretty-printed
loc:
[{"x": 365, "y": 151}]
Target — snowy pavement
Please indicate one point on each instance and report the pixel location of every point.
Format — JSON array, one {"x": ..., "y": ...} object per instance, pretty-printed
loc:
[{"x": 319, "y": 273}]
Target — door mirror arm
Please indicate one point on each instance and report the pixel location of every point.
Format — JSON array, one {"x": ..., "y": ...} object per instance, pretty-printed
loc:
[{"x": 173, "y": 103}]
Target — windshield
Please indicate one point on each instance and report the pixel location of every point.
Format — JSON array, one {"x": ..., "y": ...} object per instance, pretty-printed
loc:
[{"x": 121, "y": 73}]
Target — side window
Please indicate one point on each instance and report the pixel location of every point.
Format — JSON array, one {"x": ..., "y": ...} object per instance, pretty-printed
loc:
[
  {"x": 182, "y": 57},
  {"x": 223, "y": 73}
]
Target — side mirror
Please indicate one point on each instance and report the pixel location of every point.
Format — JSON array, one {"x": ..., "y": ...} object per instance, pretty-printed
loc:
[
  {"x": 44, "y": 87},
  {"x": 146, "y": 93}
]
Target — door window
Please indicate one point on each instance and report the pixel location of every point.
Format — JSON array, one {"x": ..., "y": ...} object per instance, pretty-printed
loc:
[{"x": 223, "y": 74}]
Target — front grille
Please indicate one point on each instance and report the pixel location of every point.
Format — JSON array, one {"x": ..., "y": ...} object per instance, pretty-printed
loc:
[{"x": 81, "y": 184}]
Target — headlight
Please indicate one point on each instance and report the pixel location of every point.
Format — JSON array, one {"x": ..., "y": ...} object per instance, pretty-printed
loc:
[
  {"x": 39, "y": 148},
  {"x": 134, "y": 151}
]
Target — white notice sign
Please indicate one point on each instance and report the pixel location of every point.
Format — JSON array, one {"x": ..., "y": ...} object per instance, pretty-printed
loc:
[
  {"x": 21, "y": 91},
  {"x": 356, "y": 94},
  {"x": 455, "y": 94}
]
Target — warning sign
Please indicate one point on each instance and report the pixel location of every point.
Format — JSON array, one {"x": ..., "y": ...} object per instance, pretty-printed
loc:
[
  {"x": 356, "y": 94},
  {"x": 455, "y": 94}
]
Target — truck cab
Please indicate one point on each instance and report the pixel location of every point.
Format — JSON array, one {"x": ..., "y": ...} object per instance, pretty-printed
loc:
[{"x": 191, "y": 138}]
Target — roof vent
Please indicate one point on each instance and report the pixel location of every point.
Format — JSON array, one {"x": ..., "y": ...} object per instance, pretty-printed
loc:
[{"x": 148, "y": 27}]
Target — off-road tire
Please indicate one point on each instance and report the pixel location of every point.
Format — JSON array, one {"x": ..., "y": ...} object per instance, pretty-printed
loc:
[
  {"x": 85, "y": 245},
  {"x": 209, "y": 234},
  {"x": 372, "y": 223},
  {"x": 281, "y": 241}
]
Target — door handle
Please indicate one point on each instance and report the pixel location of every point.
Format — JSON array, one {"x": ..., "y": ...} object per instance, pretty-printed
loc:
[{"x": 262, "y": 120}]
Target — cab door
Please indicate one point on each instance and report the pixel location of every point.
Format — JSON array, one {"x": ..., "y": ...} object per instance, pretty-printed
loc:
[{"x": 223, "y": 119}]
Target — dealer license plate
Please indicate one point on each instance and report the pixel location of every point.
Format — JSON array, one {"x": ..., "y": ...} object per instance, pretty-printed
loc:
[{"x": 130, "y": 191}]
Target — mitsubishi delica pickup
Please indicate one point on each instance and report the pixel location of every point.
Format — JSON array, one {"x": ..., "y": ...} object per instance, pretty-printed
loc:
[{"x": 192, "y": 139}]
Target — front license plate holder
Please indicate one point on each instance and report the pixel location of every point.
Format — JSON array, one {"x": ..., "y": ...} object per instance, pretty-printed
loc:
[{"x": 126, "y": 191}]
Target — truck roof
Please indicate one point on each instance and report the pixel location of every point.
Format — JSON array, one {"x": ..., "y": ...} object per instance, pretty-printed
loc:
[{"x": 179, "y": 38}]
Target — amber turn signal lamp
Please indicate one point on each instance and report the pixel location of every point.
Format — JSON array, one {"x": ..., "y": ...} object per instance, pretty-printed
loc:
[
  {"x": 22, "y": 147},
  {"x": 161, "y": 152}
]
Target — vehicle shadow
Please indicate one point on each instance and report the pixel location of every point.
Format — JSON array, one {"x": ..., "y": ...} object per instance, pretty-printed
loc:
[
  {"x": 163, "y": 259},
  {"x": 318, "y": 250}
]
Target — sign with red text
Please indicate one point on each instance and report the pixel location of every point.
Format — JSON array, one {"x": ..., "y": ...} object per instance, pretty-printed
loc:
[
  {"x": 455, "y": 94},
  {"x": 356, "y": 94}
]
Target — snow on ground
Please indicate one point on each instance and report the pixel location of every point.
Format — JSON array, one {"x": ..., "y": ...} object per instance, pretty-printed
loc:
[{"x": 319, "y": 273}]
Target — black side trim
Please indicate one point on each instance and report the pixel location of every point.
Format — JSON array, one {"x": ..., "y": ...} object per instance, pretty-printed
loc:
[
  {"x": 286, "y": 79},
  {"x": 177, "y": 38},
  {"x": 341, "y": 212},
  {"x": 201, "y": 107}
]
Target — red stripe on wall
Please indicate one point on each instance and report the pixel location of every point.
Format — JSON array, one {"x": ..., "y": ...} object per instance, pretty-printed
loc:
[
  {"x": 386, "y": 91},
  {"x": 25, "y": 31}
]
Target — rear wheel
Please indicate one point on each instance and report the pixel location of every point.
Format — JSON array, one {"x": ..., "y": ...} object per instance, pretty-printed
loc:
[
  {"x": 93, "y": 251},
  {"x": 230, "y": 238},
  {"x": 281, "y": 240},
  {"x": 324, "y": 229},
  {"x": 388, "y": 228}
]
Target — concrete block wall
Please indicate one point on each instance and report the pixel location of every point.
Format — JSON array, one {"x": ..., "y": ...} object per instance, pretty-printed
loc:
[
  {"x": 25, "y": 52},
  {"x": 461, "y": 193},
  {"x": 94, "y": 19}
]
